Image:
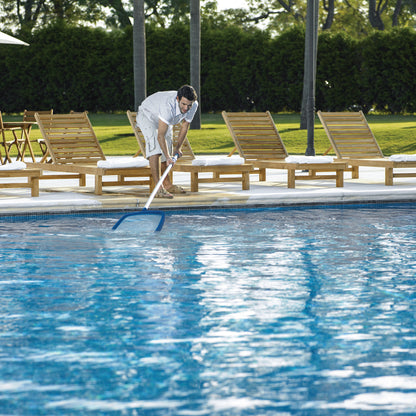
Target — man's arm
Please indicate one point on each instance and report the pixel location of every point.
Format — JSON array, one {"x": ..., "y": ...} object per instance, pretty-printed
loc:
[
  {"x": 161, "y": 131},
  {"x": 181, "y": 136}
]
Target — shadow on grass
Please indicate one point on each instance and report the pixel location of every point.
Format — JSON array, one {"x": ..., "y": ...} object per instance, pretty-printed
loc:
[
  {"x": 409, "y": 149},
  {"x": 117, "y": 137},
  {"x": 289, "y": 130}
]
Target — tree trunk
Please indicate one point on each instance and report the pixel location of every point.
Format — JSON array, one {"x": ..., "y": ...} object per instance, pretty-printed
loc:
[
  {"x": 374, "y": 14},
  {"x": 329, "y": 7},
  {"x": 396, "y": 14},
  {"x": 195, "y": 58},
  {"x": 139, "y": 53},
  {"x": 122, "y": 15}
]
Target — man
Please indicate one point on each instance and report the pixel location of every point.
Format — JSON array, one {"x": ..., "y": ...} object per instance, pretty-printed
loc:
[{"x": 156, "y": 117}]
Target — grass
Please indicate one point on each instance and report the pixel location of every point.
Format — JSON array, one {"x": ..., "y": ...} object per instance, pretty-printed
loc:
[{"x": 394, "y": 133}]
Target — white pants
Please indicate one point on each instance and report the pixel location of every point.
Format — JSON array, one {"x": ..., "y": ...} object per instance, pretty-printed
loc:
[{"x": 150, "y": 136}]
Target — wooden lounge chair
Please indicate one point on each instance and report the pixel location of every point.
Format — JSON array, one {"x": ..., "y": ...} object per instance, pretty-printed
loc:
[
  {"x": 258, "y": 141},
  {"x": 220, "y": 172},
  {"x": 353, "y": 141},
  {"x": 74, "y": 149},
  {"x": 10, "y": 171}
]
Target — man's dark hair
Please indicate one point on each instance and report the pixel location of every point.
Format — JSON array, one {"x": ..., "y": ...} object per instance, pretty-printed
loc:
[{"x": 188, "y": 92}]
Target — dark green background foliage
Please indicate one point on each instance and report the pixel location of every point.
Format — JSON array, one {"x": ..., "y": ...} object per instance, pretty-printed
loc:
[{"x": 75, "y": 68}]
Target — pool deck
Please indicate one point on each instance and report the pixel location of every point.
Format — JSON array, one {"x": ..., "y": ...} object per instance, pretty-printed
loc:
[{"x": 58, "y": 196}]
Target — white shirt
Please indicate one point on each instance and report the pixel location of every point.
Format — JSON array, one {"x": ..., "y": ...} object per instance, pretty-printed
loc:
[{"x": 164, "y": 106}]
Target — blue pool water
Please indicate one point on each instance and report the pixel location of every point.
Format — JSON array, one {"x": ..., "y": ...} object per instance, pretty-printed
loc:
[{"x": 258, "y": 312}]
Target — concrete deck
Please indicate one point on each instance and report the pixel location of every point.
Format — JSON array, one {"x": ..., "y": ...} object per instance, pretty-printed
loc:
[{"x": 66, "y": 196}]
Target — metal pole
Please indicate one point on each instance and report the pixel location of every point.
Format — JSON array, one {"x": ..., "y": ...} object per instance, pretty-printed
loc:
[
  {"x": 310, "y": 67},
  {"x": 139, "y": 53},
  {"x": 195, "y": 58}
]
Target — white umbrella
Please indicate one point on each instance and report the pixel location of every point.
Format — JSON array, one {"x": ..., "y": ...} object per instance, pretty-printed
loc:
[{"x": 11, "y": 40}]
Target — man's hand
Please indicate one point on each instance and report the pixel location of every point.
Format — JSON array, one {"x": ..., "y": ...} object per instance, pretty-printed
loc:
[
  {"x": 172, "y": 159},
  {"x": 177, "y": 152}
]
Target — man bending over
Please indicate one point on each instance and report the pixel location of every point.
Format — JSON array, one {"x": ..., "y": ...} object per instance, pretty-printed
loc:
[{"x": 156, "y": 117}]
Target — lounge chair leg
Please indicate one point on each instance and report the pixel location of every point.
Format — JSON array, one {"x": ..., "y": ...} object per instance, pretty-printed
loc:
[
  {"x": 98, "y": 185},
  {"x": 82, "y": 179},
  {"x": 355, "y": 172},
  {"x": 34, "y": 186},
  {"x": 291, "y": 173},
  {"x": 389, "y": 176},
  {"x": 194, "y": 181},
  {"x": 340, "y": 178},
  {"x": 262, "y": 175},
  {"x": 246, "y": 181}
]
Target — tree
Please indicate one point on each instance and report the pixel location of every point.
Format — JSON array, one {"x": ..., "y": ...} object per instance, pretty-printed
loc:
[
  {"x": 403, "y": 13},
  {"x": 121, "y": 15},
  {"x": 347, "y": 16},
  {"x": 29, "y": 14},
  {"x": 329, "y": 7},
  {"x": 375, "y": 10},
  {"x": 280, "y": 14}
]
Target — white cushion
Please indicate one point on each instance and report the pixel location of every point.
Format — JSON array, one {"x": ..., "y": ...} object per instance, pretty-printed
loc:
[
  {"x": 123, "y": 162},
  {"x": 215, "y": 161},
  {"x": 309, "y": 159},
  {"x": 403, "y": 158},
  {"x": 13, "y": 166}
]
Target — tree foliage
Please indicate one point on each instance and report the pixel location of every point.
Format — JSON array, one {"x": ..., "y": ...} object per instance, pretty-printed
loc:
[
  {"x": 30, "y": 14},
  {"x": 358, "y": 18},
  {"x": 26, "y": 15},
  {"x": 78, "y": 68}
]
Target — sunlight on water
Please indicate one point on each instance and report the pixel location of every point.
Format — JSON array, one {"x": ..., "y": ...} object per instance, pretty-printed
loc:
[{"x": 262, "y": 312}]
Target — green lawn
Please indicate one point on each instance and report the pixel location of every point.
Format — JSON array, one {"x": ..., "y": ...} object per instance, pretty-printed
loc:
[{"x": 395, "y": 134}]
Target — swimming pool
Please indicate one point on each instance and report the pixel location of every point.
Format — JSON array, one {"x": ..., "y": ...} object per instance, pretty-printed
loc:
[{"x": 251, "y": 312}]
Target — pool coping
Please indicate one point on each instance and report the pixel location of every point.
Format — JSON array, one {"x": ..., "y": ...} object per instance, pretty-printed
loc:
[{"x": 67, "y": 197}]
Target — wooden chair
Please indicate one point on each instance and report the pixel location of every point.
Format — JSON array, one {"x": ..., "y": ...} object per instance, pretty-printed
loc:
[
  {"x": 12, "y": 128},
  {"x": 221, "y": 173},
  {"x": 74, "y": 149},
  {"x": 29, "y": 117},
  {"x": 353, "y": 141},
  {"x": 258, "y": 141}
]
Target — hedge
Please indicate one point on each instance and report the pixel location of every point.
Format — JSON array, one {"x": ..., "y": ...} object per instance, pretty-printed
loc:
[{"x": 77, "y": 68}]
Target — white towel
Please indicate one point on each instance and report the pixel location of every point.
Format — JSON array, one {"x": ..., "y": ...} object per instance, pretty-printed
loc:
[
  {"x": 214, "y": 161},
  {"x": 13, "y": 166},
  {"x": 309, "y": 159},
  {"x": 403, "y": 158},
  {"x": 123, "y": 162}
]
